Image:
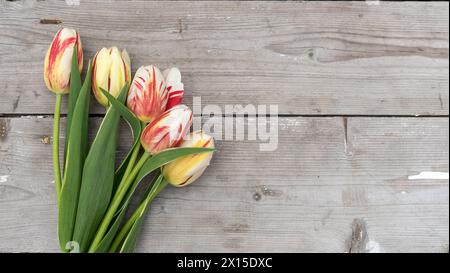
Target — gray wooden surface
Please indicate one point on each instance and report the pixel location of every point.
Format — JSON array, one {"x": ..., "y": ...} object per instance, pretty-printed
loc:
[{"x": 363, "y": 96}]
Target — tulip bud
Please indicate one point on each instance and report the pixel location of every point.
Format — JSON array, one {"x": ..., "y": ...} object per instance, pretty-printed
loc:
[
  {"x": 111, "y": 69},
  {"x": 174, "y": 86},
  {"x": 185, "y": 170},
  {"x": 58, "y": 60},
  {"x": 147, "y": 97},
  {"x": 168, "y": 130}
]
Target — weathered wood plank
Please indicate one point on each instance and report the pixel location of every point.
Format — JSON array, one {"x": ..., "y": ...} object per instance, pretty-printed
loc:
[
  {"x": 390, "y": 59},
  {"x": 305, "y": 196}
]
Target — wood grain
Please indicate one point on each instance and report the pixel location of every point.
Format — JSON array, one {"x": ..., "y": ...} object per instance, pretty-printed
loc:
[
  {"x": 345, "y": 58},
  {"x": 329, "y": 178}
]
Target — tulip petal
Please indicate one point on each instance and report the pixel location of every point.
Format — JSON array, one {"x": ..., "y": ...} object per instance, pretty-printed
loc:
[
  {"x": 186, "y": 170},
  {"x": 117, "y": 73},
  {"x": 147, "y": 97},
  {"x": 174, "y": 86},
  {"x": 168, "y": 130},
  {"x": 100, "y": 78}
]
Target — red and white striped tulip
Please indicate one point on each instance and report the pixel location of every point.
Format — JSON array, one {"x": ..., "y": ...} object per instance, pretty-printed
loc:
[
  {"x": 147, "y": 97},
  {"x": 111, "y": 69},
  {"x": 168, "y": 130},
  {"x": 58, "y": 60},
  {"x": 185, "y": 170},
  {"x": 174, "y": 86}
]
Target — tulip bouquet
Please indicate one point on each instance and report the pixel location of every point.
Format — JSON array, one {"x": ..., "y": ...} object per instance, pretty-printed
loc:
[{"x": 93, "y": 195}]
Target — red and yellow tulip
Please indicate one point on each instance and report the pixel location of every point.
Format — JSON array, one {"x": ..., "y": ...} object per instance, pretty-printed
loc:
[
  {"x": 110, "y": 70},
  {"x": 185, "y": 170},
  {"x": 168, "y": 130},
  {"x": 147, "y": 97},
  {"x": 59, "y": 58}
]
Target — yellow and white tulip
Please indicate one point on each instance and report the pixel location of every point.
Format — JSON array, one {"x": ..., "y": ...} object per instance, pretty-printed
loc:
[
  {"x": 185, "y": 170},
  {"x": 111, "y": 68}
]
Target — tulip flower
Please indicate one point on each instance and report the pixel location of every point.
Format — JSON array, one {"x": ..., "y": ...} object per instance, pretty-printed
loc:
[
  {"x": 110, "y": 70},
  {"x": 57, "y": 73},
  {"x": 168, "y": 130},
  {"x": 185, "y": 170},
  {"x": 147, "y": 97},
  {"x": 174, "y": 86},
  {"x": 59, "y": 59}
]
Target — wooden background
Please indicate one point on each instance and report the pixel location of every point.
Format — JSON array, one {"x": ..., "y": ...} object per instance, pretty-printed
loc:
[{"x": 362, "y": 92}]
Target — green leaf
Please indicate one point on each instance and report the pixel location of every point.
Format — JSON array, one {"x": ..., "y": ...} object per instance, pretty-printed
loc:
[
  {"x": 76, "y": 153},
  {"x": 98, "y": 177},
  {"x": 75, "y": 86},
  {"x": 166, "y": 156},
  {"x": 150, "y": 165},
  {"x": 136, "y": 127},
  {"x": 114, "y": 228},
  {"x": 129, "y": 243}
]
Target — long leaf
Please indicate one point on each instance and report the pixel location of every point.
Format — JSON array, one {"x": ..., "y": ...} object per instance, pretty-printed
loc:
[
  {"x": 76, "y": 153},
  {"x": 98, "y": 177},
  {"x": 152, "y": 164},
  {"x": 129, "y": 243},
  {"x": 136, "y": 128},
  {"x": 114, "y": 228},
  {"x": 135, "y": 125},
  {"x": 75, "y": 86}
]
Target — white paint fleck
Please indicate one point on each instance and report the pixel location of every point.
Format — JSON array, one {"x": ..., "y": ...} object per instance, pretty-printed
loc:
[
  {"x": 403, "y": 192},
  {"x": 290, "y": 124},
  {"x": 373, "y": 247},
  {"x": 3, "y": 178},
  {"x": 429, "y": 175},
  {"x": 73, "y": 2},
  {"x": 53, "y": 181},
  {"x": 373, "y": 2}
]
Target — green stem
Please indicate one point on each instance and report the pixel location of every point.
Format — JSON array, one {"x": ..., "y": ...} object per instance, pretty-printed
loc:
[
  {"x": 115, "y": 203},
  {"x": 159, "y": 185},
  {"x": 131, "y": 162},
  {"x": 55, "y": 148}
]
